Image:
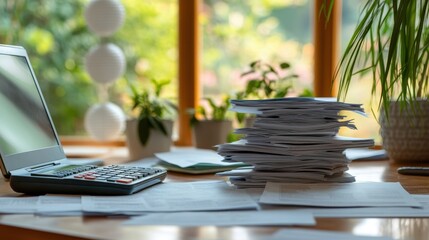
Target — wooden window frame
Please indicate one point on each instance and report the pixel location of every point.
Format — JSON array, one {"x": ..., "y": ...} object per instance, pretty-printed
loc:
[
  {"x": 326, "y": 38},
  {"x": 326, "y": 47},
  {"x": 189, "y": 67}
]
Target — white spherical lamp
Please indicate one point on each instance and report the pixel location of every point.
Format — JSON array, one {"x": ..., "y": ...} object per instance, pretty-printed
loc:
[
  {"x": 105, "y": 63},
  {"x": 104, "y": 17},
  {"x": 104, "y": 121}
]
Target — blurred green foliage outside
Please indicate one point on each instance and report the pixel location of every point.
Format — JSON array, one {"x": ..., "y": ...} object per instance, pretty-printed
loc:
[
  {"x": 57, "y": 39},
  {"x": 234, "y": 33}
]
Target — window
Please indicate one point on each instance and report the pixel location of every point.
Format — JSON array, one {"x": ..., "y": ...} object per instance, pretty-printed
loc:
[
  {"x": 234, "y": 33},
  {"x": 238, "y": 32},
  {"x": 57, "y": 39}
]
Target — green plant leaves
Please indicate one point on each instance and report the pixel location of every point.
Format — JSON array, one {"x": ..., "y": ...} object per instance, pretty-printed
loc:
[
  {"x": 254, "y": 64},
  {"x": 143, "y": 129},
  {"x": 218, "y": 111},
  {"x": 391, "y": 41},
  {"x": 151, "y": 109},
  {"x": 148, "y": 124},
  {"x": 267, "y": 81},
  {"x": 284, "y": 65}
]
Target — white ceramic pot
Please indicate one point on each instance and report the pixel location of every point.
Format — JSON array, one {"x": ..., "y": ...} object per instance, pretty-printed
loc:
[
  {"x": 157, "y": 141},
  {"x": 208, "y": 133},
  {"x": 249, "y": 121}
]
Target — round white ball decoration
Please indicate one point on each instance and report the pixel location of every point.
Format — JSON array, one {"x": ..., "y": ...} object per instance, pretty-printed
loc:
[
  {"x": 105, "y": 121},
  {"x": 104, "y": 17},
  {"x": 105, "y": 63}
]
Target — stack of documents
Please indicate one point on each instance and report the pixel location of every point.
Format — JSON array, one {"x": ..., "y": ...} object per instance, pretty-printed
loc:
[{"x": 292, "y": 140}]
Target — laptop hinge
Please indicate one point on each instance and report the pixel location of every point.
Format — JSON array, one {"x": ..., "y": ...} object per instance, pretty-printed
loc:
[{"x": 36, "y": 168}]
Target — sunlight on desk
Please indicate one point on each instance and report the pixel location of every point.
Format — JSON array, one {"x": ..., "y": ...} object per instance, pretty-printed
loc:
[
  {"x": 105, "y": 153},
  {"x": 369, "y": 172},
  {"x": 77, "y": 227},
  {"x": 369, "y": 227}
]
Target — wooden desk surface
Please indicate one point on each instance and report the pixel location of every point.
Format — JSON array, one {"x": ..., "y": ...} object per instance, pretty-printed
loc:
[{"x": 110, "y": 227}]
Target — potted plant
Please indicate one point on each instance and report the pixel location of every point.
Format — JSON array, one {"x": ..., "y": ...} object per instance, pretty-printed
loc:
[
  {"x": 211, "y": 128},
  {"x": 150, "y": 130},
  {"x": 265, "y": 81},
  {"x": 391, "y": 42}
]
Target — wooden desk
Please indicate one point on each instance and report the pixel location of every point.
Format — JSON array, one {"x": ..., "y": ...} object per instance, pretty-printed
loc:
[{"x": 110, "y": 227}]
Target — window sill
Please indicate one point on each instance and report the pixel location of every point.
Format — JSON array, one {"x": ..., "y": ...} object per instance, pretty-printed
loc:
[{"x": 88, "y": 141}]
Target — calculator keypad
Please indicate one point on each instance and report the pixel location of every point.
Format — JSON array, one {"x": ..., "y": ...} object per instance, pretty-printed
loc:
[
  {"x": 66, "y": 172},
  {"x": 118, "y": 174}
]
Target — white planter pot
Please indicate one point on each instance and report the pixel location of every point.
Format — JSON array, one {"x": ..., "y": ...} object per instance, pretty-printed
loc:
[
  {"x": 406, "y": 133},
  {"x": 208, "y": 133},
  {"x": 249, "y": 121},
  {"x": 157, "y": 141}
]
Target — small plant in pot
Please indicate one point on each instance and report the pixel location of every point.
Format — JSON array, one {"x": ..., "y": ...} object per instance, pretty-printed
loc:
[
  {"x": 391, "y": 42},
  {"x": 266, "y": 81},
  {"x": 211, "y": 127},
  {"x": 150, "y": 131}
]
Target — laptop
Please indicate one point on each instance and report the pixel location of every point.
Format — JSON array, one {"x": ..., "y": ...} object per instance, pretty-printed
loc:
[{"x": 31, "y": 154}]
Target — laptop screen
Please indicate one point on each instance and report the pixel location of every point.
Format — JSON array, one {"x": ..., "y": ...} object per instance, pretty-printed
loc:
[{"x": 24, "y": 122}]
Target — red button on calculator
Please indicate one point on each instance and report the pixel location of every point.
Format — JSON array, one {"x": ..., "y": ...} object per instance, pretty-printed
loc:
[{"x": 124, "y": 180}]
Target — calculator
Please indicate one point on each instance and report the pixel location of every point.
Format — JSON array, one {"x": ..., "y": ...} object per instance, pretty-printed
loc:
[{"x": 87, "y": 179}]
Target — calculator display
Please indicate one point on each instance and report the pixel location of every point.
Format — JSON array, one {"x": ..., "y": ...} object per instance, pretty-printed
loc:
[{"x": 59, "y": 169}]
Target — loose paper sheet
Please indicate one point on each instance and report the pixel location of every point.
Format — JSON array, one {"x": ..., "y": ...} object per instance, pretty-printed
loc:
[
  {"x": 301, "y": 234},
  {"x": 59, "y": 205},
  {"x": 18, "y": 204},
  {"x": 229, "y": 218},
  {"x": 173, "y": 197},
  {"x": 371, "y": 194},
  {"x": 365, "y": 154},
  {"x": 375, "y": 212},
  {"x": 192, "y": 157},
  {"x": 195, "y": 161}
]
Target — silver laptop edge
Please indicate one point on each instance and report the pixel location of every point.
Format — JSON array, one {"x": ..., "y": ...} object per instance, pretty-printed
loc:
[{"x": 39, "y": 155}]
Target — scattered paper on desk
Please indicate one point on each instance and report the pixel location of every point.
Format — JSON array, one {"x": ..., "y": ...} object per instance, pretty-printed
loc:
[
  {"x": 371, "y": 194},
  {"x": 18, "y": 204},
  {"x": 173, "y": 197},
  {"x": 191, "y": 157},
  {"x": 196, "y": 161},
  {"x": 376, "y": 212},
  {"x": 365, "y": 154},
  {"x": 362, "y": 212},
  {"x": 226, "y": 218},
  {"x": 301, "y": 234},
  {"x": 59, "y": 205},
  {"x": 113, "y": 205}
]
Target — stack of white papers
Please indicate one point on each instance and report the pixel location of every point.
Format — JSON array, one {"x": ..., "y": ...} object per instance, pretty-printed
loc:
[{"x": 292, "y": 140}]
